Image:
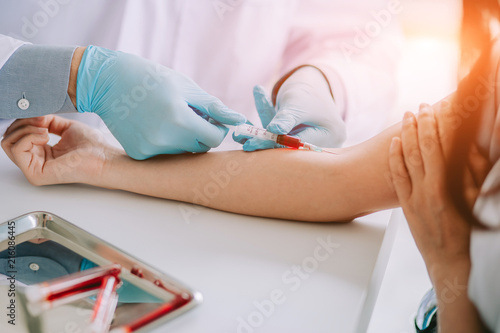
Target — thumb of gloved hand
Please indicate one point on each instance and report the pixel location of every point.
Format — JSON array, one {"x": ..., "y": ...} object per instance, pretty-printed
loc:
[
  {"x": 264, "y": 106},
  {"x": 266, "y": 111}
]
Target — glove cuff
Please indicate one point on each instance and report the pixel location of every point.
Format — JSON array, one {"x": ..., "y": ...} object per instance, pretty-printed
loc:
[
  {"x": 285, "y": 77},
  {"x": 93, "y": 61}
]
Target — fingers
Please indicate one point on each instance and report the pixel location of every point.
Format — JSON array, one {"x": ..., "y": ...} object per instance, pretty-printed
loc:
[
  {"x": 418, "y": 154},
  {"x": 259, "y": 144},
  {"x": 14, "y": 137},
  {"x": 283, "y": 122},
  {"x": 411, "y": 149},
  {"x": 56, "y": 125},
  {"x": 187, "y": 132},
  {"x": 23, "y": 154},
  {"x": 429, "y": 143},
  {"x": 242, "y": 138},
  {"x": 265, "y": 107},
  {"x": 37, "y": 122},
  {"x": 399, "y": 173},
  {"x": 26, "y": 147},
  {"x": 208, "y": 134},
  {"x": 446, "y": 122},
  {"x": 293, "y": 118},
  {"x": 210, "y": 105},
  {"x": 214, "y": 108}
]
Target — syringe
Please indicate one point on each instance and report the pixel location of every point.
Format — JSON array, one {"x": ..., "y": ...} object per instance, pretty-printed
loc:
[
  {"x": 282, "y": 139},
  {"x": 255, "y": 132}
]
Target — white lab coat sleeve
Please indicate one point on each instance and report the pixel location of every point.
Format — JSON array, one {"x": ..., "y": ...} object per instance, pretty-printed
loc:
[
  {"x": 39, "y": 74},
  {"x": 8, "y": 46},
  {"x": 4, "y": 124},
  {"x": 357, "y": 46}
]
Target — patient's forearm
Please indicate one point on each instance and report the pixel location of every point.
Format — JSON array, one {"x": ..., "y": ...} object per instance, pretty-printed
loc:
[{"x": 280, "y": 183}]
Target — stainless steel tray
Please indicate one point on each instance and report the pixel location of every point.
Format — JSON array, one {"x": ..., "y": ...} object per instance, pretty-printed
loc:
[{"x": 37, "y": 227}]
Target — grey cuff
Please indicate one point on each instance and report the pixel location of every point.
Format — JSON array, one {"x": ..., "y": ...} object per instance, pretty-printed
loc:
[{"x": 40, "y": 74}]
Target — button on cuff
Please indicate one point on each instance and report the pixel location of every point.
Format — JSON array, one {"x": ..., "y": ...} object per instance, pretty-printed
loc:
[{"x": 23, "y": 104}]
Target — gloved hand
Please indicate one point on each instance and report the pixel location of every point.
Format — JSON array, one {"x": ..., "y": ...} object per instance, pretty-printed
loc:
[
  {"x": 304, "y": 108},
  {"x": 146, "y": 105}
]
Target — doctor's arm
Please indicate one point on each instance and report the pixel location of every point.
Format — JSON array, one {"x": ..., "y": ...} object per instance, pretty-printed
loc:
[
  {"x": 145, "y": 105},
  {"x": 34, "y": 79}
]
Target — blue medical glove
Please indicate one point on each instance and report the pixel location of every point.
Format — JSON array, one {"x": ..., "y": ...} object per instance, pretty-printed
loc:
[
  {"x": 146, "y": 105},
  {"x": 304, "y": 108}
]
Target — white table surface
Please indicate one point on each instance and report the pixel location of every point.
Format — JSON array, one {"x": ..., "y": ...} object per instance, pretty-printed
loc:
[{"x": 233, "y": 260}]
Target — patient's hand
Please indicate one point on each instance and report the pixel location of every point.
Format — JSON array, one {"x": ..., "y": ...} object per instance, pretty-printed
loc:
[{"x": 79, "y": 156}]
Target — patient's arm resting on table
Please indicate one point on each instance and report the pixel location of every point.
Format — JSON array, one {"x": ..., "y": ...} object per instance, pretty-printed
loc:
[
  {"x": 283, "y": 183},
  {"x": 280, "y": 183}
]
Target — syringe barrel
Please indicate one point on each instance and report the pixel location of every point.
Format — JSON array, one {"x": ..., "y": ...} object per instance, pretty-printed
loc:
[
  {"x": 255, "y": 132},
  {"x": 289, "y": 141}
]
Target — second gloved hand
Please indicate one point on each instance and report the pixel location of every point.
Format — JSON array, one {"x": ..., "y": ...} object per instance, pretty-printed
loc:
[
  {"x": 304, "y": 108},
  {"x": 146, "y": 105}
]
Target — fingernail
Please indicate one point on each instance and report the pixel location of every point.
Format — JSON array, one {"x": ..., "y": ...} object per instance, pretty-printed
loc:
[
  {"x": 408, "y": 116},
  {"x": 42, "y": 130},
  {"x": 241, "y": 121},
  {"x": 424, "y": 107},
  {"x": 236, "y": 117},
  {"x": 394, "y": 142}
]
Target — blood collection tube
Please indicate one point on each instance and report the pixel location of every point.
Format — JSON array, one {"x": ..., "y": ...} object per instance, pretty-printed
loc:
[
  {"x": 178, "y": 302},
  {"x": 67, "y": 289},
  {"x": 105, "y": 305}
]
